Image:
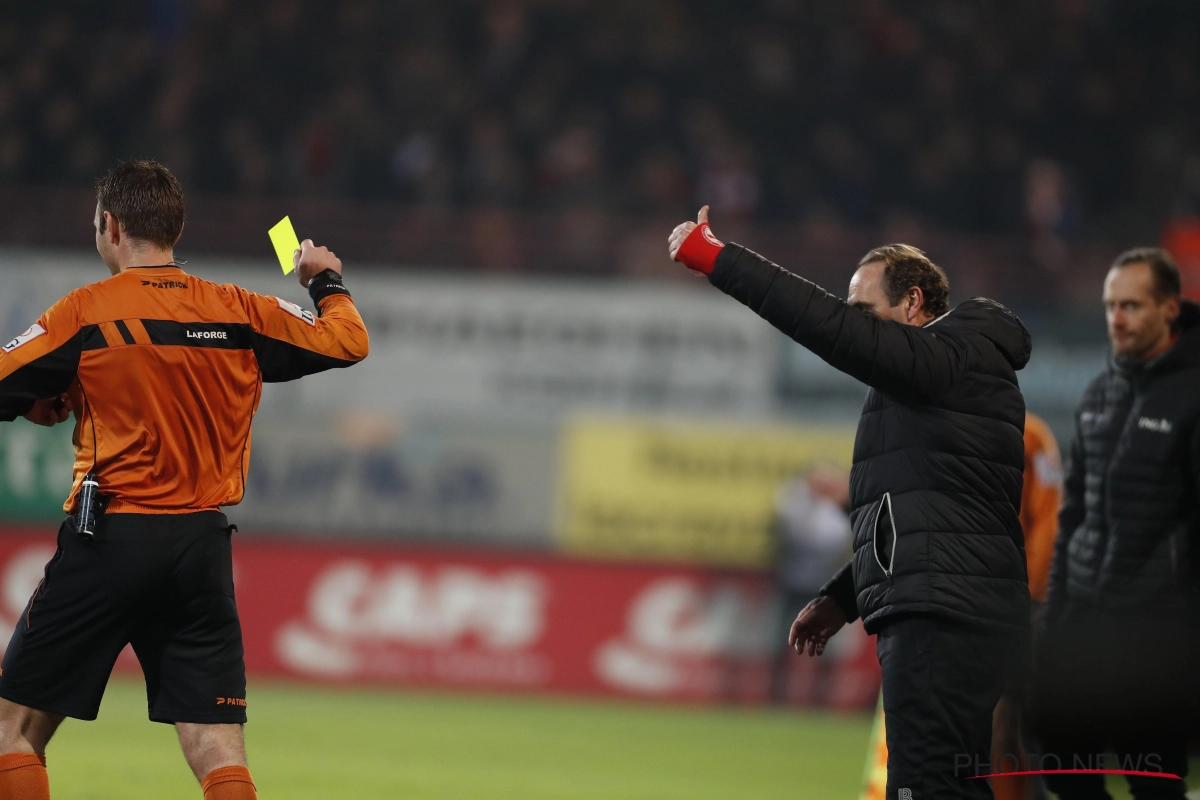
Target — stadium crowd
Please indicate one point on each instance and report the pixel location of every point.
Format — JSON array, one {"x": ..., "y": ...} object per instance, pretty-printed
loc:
[{"x": 968, "y": 117}]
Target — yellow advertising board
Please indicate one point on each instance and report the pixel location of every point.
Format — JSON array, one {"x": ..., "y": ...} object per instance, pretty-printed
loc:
[{"x": 700, "y": 492}]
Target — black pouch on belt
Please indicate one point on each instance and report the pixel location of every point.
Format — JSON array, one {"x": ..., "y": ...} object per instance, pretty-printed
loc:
[{"x": 91, "y": 507}]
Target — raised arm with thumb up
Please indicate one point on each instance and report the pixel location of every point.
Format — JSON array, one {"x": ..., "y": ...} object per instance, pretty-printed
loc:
[{"x": 694, "y": 245}]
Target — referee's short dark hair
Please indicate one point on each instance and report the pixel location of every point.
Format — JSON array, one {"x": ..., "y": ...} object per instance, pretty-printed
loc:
[
  {"x": 906, "y": 266},
  {"x": 146, "y": 198},
  {"x": 1167, "y": 283}
]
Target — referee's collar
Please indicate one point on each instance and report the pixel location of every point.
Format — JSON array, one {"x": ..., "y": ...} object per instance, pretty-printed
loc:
[{"x": 156, "y": 267}]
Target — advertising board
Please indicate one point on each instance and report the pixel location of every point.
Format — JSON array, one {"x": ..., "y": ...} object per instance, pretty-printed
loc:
[
  {"x": 413, "y": 617},
  {"x": 35, "y": 471},
  {"x": 700, "y": 492}
]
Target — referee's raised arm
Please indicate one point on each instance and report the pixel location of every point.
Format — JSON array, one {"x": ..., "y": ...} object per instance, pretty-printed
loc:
[{"x": 291, "y": 342}]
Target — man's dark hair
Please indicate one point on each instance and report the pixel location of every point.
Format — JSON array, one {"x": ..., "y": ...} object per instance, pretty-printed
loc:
[
  {"x": 146, "y": 198},
  {"x": 1167, "y": 282},
  {"x": 906, "y": 266}
]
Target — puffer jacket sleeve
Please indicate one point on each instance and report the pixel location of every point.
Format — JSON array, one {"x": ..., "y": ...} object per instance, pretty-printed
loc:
[
  {"x": 840, "y": 589},
  {"x": 905, "y": 362},
  {"x": 1069, "y": 518}
]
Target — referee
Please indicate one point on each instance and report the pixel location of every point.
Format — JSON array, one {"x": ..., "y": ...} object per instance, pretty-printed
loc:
[{"x": 163, "y": 372}]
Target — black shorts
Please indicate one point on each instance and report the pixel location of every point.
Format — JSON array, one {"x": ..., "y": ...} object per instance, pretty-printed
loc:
[{"x": 163, "y": 583}]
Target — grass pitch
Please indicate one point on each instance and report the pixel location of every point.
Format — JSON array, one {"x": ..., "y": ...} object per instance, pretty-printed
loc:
[
  {"x": 322, "y": 743},
  {"x": 310, "y": 743}
]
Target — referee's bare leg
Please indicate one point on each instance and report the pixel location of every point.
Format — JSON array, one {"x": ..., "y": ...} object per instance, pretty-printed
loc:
[
  {"x": 209, "y": 747},
  {"x": 24, "y": 734}
]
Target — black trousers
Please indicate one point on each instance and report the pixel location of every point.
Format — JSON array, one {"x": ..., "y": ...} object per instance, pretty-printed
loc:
[
  {"x": 1167, "y": 754},
  {"x": 941, "y": 682},
  {"x": 1118, "y": 683}
]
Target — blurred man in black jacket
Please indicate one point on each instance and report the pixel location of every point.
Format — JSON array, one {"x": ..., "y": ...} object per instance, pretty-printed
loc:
[
  {"x": 1117, "y": 654},
  {"x": 939, "y": 565}
]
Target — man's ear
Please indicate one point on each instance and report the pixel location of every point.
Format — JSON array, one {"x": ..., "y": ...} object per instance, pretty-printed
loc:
[
  {"x": 916, "y": 303},
  {"x": 1173, "y": 309},
  {"x": 111, "y": 227}
]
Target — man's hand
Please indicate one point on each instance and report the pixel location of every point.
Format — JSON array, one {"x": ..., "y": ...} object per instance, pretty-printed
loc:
[
  {"x": 815, "y": 625},
  {"x": 51, "y": 411},
  {"x": 683, "y": 230},
  {"x": 311, "y": 261},
  {"x": 694, "y": 245}
]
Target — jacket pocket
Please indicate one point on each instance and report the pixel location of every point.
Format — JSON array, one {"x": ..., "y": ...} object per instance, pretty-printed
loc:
[{"x": 888, "y": 527}]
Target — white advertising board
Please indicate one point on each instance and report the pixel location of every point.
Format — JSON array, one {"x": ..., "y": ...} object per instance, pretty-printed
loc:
[{"x": 512, "y": 348}]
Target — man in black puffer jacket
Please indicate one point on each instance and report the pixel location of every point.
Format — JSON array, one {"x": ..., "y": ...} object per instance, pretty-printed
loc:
[
  {"x": 1117, "y": 657},
  {"x": 939, "y": 562}
]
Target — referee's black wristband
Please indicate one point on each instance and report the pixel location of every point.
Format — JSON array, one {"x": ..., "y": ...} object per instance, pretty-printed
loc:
[{"x": 326, "y": 284}]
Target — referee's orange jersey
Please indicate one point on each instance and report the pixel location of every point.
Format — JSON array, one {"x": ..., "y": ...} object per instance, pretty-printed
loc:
[{"x": 165, "y": 371}]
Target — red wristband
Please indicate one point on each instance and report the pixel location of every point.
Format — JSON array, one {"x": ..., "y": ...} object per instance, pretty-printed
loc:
[{"x": 700, "y": 249}]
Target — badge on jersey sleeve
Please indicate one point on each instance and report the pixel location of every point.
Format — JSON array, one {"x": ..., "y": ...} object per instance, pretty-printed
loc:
[
  {"x": 35, "y": 330},
  {"x": 297, "y": 312}
]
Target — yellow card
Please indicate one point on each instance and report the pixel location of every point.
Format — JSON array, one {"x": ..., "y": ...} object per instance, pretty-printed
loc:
[{"x": 283, "y": 236}]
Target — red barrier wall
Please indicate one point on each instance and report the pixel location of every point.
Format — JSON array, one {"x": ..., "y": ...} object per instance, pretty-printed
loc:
[{"x": 453, "y": 619}]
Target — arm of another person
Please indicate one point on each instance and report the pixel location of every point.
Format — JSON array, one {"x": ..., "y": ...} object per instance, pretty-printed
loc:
[
  {"x": 1069, "y": 518},
  {"x": 37, "y": 367},
  {"x": 291, "y": 342},
  {"x": 903, "y": 361}
]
